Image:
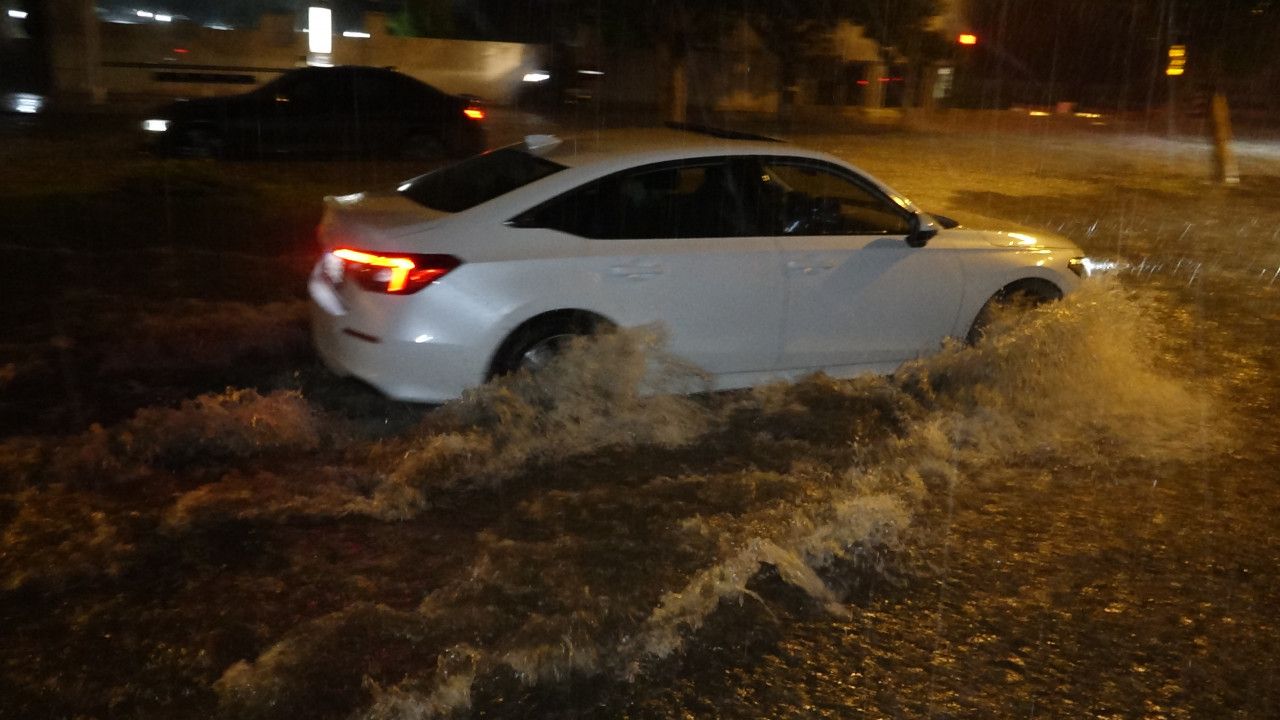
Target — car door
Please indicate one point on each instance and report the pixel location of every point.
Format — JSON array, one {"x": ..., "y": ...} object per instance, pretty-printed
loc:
[
  {"x": 669, "y": 243},
  {"x": 857, "y": 293},
  {"x": 380, "y": 110},
  {"x": 311, "y": 111}
]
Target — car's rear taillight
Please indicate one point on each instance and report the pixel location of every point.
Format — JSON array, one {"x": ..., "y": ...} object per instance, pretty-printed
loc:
[
  {"x": 396, "y": 274},
  {"x": 474, "y": 112}
]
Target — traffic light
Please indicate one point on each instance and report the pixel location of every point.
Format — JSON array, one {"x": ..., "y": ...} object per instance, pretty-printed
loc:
[{"x": 1177, "y": 60}]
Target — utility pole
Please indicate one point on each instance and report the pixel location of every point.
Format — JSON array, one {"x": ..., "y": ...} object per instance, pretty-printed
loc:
[
  {"x": 1123, "y": 102},
  {"x": 1172, "y": 105},
  {"x": 1000, "y": 28},
  {"x": 1225, "y": 168},
  {"x": 75, "y": 50},
  {"x": 1158, "y": 43}
]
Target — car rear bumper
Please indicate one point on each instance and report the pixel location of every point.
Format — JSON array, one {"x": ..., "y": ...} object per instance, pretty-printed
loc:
[{"x": 418, "y": 368}]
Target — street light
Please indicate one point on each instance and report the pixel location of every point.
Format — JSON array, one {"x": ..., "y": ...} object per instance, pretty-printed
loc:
[
  {"x": 320, "y": 30},
  {"x": 967, "y": 39}
]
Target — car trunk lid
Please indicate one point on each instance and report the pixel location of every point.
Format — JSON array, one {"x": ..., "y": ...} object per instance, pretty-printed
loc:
[{"x": 373, "y": 221}]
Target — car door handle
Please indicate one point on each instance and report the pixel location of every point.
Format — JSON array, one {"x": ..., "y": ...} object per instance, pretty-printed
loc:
[
  {"x": 636, "y": 272},
  {"x": 796, "y": 267}
]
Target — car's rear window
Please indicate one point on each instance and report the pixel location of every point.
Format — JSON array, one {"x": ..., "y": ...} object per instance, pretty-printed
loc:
[{"x": 458, "y": 187}]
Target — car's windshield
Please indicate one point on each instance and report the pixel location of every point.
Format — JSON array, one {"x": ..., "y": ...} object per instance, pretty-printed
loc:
[{"x": 482, "y": 178}]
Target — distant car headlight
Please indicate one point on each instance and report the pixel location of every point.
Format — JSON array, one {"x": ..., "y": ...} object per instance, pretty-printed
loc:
[
  {"x": 1089, "y": 267},
  {"x": 537, "y": 76},
  {"x": 155, "y": 125},
  {"x": 25, "y": 103}
]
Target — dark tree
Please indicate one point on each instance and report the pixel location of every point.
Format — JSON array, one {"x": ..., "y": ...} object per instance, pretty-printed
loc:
[
  {"x": 792, "y": 30},
  {"x": 901, "y": 27},
  {"x": 424, "y": 18},
  {"x": 1228, "y": 39}
]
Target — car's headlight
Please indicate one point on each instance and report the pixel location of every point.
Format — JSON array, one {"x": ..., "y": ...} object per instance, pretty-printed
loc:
[
  {"x": 1089, "y": 267},
  {"x": 155, "y": 125},
  {"x": 26, "y": 103}
]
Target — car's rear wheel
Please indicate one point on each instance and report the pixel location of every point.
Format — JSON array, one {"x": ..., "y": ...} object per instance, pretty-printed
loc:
[
  {"x": 538, "y": 342},
  {"x": 1023, "y": 294},
  {"x": 201, "y": 141},
  {"x": 422, "y": 145}
]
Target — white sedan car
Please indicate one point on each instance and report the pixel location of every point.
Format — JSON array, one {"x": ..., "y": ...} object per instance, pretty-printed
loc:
[{"x": 762, "y": 260}]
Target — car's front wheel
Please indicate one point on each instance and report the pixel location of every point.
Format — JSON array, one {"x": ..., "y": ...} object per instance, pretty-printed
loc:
[{"x": 1023, "y": 294}]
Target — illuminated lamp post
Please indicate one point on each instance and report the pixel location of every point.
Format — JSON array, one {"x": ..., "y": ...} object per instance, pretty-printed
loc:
[{"x": 319, "y": 35}]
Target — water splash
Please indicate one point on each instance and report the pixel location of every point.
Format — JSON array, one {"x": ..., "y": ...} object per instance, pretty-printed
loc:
[
  {"x": 610, "y": 574},
  {"x": 617, "y": 518},
  {"x": 612, "y": 390}
]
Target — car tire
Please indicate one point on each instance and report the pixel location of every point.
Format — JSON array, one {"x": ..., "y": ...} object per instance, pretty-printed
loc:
[
  {"x": 421, "y": 145},
  {"x": 201, "y": 141},
  {"x": 1024, "y": 294},
  {"x": 536, "y": 343}
]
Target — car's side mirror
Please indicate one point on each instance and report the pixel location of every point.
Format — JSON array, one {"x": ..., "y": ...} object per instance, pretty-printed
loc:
[{"x": 923, "y": 228}]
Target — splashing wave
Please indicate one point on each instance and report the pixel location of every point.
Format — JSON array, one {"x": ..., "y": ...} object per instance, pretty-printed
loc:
[{"x": 609, "y": 573}]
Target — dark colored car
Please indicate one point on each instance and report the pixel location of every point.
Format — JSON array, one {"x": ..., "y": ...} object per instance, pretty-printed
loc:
[{"x": 346, "y": 110}]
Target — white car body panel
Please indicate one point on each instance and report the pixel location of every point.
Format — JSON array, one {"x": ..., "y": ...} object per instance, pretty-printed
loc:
[
  {"x": 745, "y": 309},
  {"x": 866, "y": 299},
  {"x": 721, "y": 300}
]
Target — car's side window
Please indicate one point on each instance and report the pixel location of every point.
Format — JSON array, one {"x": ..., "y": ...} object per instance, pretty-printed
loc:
[
  {"x": 695, "y": 199},
  {"x": 799, "y": 197},
  {"x": 372, "y": 88}
]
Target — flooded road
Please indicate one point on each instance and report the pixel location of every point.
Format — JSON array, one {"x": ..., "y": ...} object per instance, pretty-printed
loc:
[{"x": 1075, "y": 518}]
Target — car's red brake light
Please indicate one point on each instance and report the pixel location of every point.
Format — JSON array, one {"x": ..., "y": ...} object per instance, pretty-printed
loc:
[
  {"x": 473, "y": 112},
  {"x": 394, "y": 274}
]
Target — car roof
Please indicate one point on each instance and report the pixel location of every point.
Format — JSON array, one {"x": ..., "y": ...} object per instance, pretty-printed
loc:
[{"x": 628, "y": 147}]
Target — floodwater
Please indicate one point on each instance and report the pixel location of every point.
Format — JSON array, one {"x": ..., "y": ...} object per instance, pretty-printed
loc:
[{"x": 1075, "y": 518}]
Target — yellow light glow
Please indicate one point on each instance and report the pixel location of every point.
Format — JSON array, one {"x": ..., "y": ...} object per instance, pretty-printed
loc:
[
  {"x": 1039, "y": 113},
  {"x": 967, "y": 39},
  {"x": 1023, "y": 238},
  {"x": 1177, "y": 60}
]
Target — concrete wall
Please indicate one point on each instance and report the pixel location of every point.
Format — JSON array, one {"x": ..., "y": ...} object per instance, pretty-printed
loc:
[
  {"x": 74, "y": 49},
  {"x": 187, "y": 60},
  {"x": 183, "y": 59}
]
